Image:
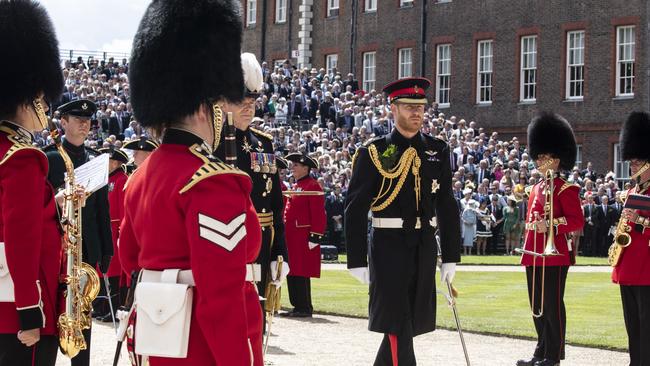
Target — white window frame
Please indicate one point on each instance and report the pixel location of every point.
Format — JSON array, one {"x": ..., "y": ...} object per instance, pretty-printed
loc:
[
  {"x": 251, "y": 12},
  {"x": 578, "y": 156},
  {"x": 404, "y": 63},
  {"x": 443, "y": 74},
  {"x": 281, "y": 11},
  {"x": 369, "y": 71},
  {"x": 331, "y": 61},
  {"x": 405, "y": 3},
  {"x": 528, "y": 69},
  {"x": 625, "y": 60},
  {"x": 575, "y": 61},
  {"x": 621, "y": 167},
  {"x": 332, "y": 8},
  {"x": 484, "y": 71},
  {"x": 370, "y": 6}
]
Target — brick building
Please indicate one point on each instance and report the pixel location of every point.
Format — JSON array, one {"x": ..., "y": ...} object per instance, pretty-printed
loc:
[{"x": 497, "y": 62}]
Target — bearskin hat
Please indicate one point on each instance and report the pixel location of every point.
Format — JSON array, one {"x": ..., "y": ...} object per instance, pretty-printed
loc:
[
  {"x": 30, "y": 63},
  {"x": 635, "y": 134},
  {"x": 550, "y": 133},
  {"x": 185, "y": 53}
]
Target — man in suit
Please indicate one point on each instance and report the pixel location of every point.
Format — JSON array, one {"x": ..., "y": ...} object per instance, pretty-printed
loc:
[
  {"x": 482, "y": 172},
  {"x": 590, "y": 229},
  {"x": 613, "y": 215},
  {"x": 352, "y": 82},
  {"x": 325, "y": 110},
  {"x": 381, "y": 128},
  {"x": 346, "y": 121},
  {"x": 605, "y": 214},
  {"x": 589, "y": 172}
]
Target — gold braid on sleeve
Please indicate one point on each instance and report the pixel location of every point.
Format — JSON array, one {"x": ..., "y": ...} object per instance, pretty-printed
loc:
[{"x": 409, "y": 161}]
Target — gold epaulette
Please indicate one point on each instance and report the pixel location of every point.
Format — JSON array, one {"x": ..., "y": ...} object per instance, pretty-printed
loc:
[
  {"x": 17, "y": 143},
  {"x": 263, "y": 134},
  {"x": 565, "y": 186},
  {"x": 354, "y": 158},
  {"x": 208, "y": 169}
]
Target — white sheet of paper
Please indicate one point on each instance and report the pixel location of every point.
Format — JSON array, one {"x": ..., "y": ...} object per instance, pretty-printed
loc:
[{"x": 93, "y": 175}]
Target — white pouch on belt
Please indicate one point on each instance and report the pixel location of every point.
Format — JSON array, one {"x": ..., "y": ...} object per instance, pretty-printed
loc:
[
  {"x": 6, "y": 283},
  {"x": 164, "y": 314}
]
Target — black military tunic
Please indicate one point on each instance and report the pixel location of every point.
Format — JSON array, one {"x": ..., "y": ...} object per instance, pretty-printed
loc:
[
  {"x": 96, "y": 220},
  {"x": 402, "y": 260},
  {"x": 255, "y": 156}
]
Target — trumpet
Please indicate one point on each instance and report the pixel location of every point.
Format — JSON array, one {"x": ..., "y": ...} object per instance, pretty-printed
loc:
[{"x": 550, "y": 250}]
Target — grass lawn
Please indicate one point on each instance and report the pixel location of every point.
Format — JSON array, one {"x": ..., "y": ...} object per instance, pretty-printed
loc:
[
  {"x": 496, "y": 303},
  {"x": 507, "y": 260}
]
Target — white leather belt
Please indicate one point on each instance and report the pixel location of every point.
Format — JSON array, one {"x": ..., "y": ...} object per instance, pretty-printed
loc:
[
  {"x": 253, "y": 274},
  {"x": 398, "y": 223}
]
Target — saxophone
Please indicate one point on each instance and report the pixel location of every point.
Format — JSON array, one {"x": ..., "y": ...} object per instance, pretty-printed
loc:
[
  {"x": 622, "y": 240},
  {"x": 81, "y": 280}
]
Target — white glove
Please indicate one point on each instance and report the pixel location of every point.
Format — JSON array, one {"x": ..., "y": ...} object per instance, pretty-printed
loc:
[
  {"x": 361, "y": 274},
  {"x": 274, "y": 272},
  {"x": 312, "y": 245},
  {"x": 447, "y": 272}
]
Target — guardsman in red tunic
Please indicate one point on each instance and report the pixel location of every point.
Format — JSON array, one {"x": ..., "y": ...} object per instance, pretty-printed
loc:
[
  {"x": 30, "y": 238},
  {"x": 189, "y": 219},
  {"x": 304, "y": 220},
  {"x": 552, "y": 145},
  {"x": 632, "y": 272},
  {"x": 117, "y": 279}
]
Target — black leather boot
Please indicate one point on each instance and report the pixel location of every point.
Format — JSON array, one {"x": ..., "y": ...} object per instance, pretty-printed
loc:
[{"x": 531, "y": 362}]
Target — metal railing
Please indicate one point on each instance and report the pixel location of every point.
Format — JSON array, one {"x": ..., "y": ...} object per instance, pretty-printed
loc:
[{"x": 72, "y": 55}]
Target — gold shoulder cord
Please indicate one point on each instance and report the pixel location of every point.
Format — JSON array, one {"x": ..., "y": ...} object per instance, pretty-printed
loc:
[
  {"x": 217, "y": 124},
  {"x": 409, "y": 161}
]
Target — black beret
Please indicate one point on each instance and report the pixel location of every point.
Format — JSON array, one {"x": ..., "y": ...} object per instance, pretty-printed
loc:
[
  {"x": 550, "y": 133},
  {"x": 635, "y": 134},
  {"x": 185, "y": 53},
  {"x": 30, "y": 64}
]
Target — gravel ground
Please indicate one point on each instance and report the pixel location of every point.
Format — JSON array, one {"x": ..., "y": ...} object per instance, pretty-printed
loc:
[{"x": 332, "y": 341}]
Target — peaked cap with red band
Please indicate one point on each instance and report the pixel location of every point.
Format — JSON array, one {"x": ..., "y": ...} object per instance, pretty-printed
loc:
[{"x": 408, "y": 90}]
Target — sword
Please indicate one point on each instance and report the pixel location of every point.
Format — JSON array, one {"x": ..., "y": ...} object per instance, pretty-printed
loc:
[
  {"x": 452, "y": 303},
  {"x": 110, "y": 300},
  {"x": 127, "y": 307},
  {"x": 272, "y": 303}
]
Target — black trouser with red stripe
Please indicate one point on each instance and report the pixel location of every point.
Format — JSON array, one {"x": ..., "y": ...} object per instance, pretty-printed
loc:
[
  {"x": 13, "y": 353},
  {"x": 551, "y": 326},
  {"x": 636, "y": 311},
  {"x": 404, "y": 347}
]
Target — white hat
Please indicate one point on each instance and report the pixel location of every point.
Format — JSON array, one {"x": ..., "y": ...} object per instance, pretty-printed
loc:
[{"x": 467, "y": 191}]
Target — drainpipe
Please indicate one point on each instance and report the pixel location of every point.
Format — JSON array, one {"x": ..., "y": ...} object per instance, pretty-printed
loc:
[
  {"x": 289, "y": 18},
  {"x": 423, "y": 40},
  {"x": 263, "y": 45},
  {"x": 353, "y": 35}
]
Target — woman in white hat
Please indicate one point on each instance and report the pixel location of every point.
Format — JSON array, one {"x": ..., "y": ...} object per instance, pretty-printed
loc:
[{"x": 469, "y": 218}]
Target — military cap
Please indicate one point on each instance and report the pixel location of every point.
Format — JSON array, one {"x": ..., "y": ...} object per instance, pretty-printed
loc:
[
  {"x": 634, "y": 137},
  {"x": 408, "y": 90},
  {"x": 550, "y": 133},
  {"x": 185, "y": 54},
  {"x": 31, "y": 64},
  {"x": 144, "y": 144},
  {"x": 78, "y": 108},
  {"x": 303, "y": 159},
  {"x": 115, "y": 154}
]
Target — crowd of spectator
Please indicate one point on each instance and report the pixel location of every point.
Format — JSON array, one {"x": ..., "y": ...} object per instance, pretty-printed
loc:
[{"x": 327, "y": 115}]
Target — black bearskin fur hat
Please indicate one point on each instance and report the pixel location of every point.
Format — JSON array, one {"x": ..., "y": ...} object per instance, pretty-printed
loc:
[
  {"x": 30, "y": 61},
  {"x": 185, "y": 53},
  {"x": 635, "y": 136},
  {"x": 550, "y": 133}
]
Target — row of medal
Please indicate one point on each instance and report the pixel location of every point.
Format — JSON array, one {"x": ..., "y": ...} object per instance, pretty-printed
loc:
[{"x": 263, "y": 163}]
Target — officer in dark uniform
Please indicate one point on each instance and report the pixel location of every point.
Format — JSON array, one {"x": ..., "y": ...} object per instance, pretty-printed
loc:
[
  {"x": 97, "y": 245},
  {"x": 141, "y": 148},
  {"x": 255, "y": 156},
  {"x": 404, "y": 179}
]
